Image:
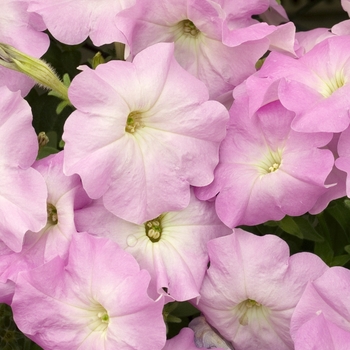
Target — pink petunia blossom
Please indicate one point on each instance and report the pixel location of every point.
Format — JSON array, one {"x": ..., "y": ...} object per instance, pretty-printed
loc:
[
  {"x": 171, "y": 247},
  {"x": 148, "y": 132},
  {"x": 22, "y": 189},
  {"x": 184, "y": 340},
  {"x": 329, "y": 294},
  {"x": 96, "y": 299},
  {"x": 206, "y": 336},
  {"x": 252, "y": 287},
  {"x": 320, "y": 334},
  {"x": 266, "y": 169},
  {"x": 195, "y": 27},
  {"x": 22, "y": 30},
  {"x": 72, "y": 21},
  {"x": 314, "y": 86},
  {"x": 343, "y": 162},
  {"x": 65, "y": 194}
]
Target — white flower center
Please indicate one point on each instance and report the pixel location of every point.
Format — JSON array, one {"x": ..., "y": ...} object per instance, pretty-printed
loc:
[
  {"x": 134, "y": 122},
  {"x": 250, "y": 310},
  {"x": 333, "y": 84},
  {"x": 98, "y": 318},
  {"x": 270, "y": 163}
]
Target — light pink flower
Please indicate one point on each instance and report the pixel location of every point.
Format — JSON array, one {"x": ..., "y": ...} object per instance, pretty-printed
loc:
[
  {"x": 20, "y": 29},
  {"x": 171, "y": 247},
  {"x": 195, "y": 26},
  {"x": 346, "y": 6},
  {"x": 65, "y": 194},
  {"x": 329, "y": 295},
  {"x": 97, "y": 299},
  {"x": 252, "y": 287},
  {"x": 320, "y": 334},
  {"x": 343, "y": 162},
  {"x": 266, "y": 169},
  {"x": 206, "y": 336},
  {"x": 72, "y": 21},
  {"x": 22, "y": 189},
  {"x": 183, "y": 341},
  {"x": 315, "y": 86},
  {"x": 148, "y": 132}
]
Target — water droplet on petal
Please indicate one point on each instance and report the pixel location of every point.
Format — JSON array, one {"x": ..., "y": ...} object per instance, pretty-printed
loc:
[{"x": 131, "y": 240}]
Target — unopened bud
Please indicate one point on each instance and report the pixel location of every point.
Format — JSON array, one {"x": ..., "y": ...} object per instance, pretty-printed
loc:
[{"x": 34, "y": 68}]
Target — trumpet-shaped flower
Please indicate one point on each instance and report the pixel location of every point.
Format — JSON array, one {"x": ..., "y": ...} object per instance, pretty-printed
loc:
[
  {"x": 314, "y": 86},
  {"x": 329, "y": 295},
  {"x": 319, "y": 334},
  {"x": 95, "y": 299},
  {"x": 65, "y": 194},
  {"x": 252, "y": 287},
  {"x": 195, "y": 26},
  {"x": 172, "y": 246},
  {"x": 266, "y": 169},
  {"x": 72, "y": 21},
  {"x": 22, "y": 189},
  {"x": 148, "y": 131}
]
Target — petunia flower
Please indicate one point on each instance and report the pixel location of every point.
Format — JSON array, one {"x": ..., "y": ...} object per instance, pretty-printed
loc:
[
  {"x": 96, "y": 299},
  {"x": 195, "y": 27},
  {"x": 65, "y": 195},
  {"x": 184, "y": 340},
  {"x": 22, "y": 189},
  {"x": 252, "y": 287},
  {"x": 148, "y": 132},
  {"x": 72, "y": 21},
  {"x": 171, "y": 247},
  {"x": 329, "y": 295},
  {"x": 319, "y": 334},
  {"x": 343, "y": 162},
  {"x": 266, "y": 169},
  {"x": 314, "y": 86}
]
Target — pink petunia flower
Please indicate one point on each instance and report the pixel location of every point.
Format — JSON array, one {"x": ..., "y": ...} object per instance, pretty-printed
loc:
[
  {"x": 22, "y": 30},
  {"x": 96, "y": 299},
  {"x": 72, "y": 21},
  {"x": 184, "y": 340},
  {"x": 195, "y": 27},
  {"x": 320, "y": 334},
  {"x": 252, "y": 287},
  {"x": 148, "y": 132},
  {"x": 171, "y": 247},
  {"x": 329, "y": 295},
  {"x": 266, "y": 169},
  {"x": 343, "y": 162},
  {"x": 314, "y": 86},
  {"x": 65, "y": 195},
  {"x": 22, "y": 189}
]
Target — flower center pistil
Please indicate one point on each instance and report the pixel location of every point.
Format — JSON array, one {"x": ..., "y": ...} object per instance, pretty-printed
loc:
[
  {"x": 52, "y": 218},
  {"x": 270, "y": 163},
  {"x": 249, "y": 310},
  {"x": 331, "y": 85},
  {"x": 98, "y": 317},
  {"x": 189, "y": 28},
  {"x": 133, "y": 122},
  {"x": 154, "y": 229}
]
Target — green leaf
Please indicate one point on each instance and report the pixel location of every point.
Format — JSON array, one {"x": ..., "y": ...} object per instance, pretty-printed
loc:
[
  {"x": 324, "y": 251},
  {"x": 289, "y": 225},
  {"x": 46, "y": 151},
  {"x": 340, "y": 260}
]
